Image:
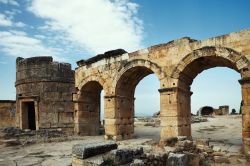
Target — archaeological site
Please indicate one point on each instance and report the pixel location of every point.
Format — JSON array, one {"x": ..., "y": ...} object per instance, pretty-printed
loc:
[{"x": 51, "y": 96}]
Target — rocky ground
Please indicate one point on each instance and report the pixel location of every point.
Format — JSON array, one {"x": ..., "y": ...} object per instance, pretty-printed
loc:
[{"x": 223, "y": 132}]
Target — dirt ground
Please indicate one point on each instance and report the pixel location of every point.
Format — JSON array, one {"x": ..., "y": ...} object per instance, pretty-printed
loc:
[{"x": 224, "y": 133}]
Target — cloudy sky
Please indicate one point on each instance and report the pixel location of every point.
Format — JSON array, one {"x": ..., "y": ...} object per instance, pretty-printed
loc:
[{"x": 70, "y": 30}]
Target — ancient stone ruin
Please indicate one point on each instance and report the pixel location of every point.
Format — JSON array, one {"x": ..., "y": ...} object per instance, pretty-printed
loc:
[
  {"x": 44, "y": 91},
  {"x": 209, "y": 111},
  {"x": 50, "y": 95}
]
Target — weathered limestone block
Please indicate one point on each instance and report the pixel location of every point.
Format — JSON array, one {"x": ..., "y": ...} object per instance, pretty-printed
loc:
[
  {"x": 124, "y": 156},
  {"x": 175, "y": 159},
  {"x": 7, "y": 113},
  {"x": 83, "y": 151}
]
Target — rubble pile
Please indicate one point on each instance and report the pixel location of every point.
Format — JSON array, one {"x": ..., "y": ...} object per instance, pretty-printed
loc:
[
  {"x": 176, "y": 151},
  {"x": 198, "y": 119}
]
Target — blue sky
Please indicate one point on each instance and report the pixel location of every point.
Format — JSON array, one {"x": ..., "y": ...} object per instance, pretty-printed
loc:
[{"x": 70, "y": 30}]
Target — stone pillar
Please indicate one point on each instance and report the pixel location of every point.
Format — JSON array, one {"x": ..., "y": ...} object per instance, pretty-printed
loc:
[
  {"x": 110, "y": 116},
  {"x": 87, "y": 114},
  {"x": 175, "y": 112},
  {"x": 119, "y": 117},
  {"x": 245, "y": 87}
]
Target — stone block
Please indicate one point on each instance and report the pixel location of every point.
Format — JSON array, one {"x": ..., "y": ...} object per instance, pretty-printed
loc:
[
  {"x": 171, "y": 131},
  {"x": 202, "y": 142},
  {"x": 124, "y": 156},
  {"x": 111, "y": 129},
  {"x": 171, "y": 120},
  {"x": 137, "y": 162},
  {"x": 176, "y": 159},
  {"x": 86, "y": 150}
]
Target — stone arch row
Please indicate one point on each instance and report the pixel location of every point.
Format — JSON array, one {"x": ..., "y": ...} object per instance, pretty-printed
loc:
[{"x": 175, "y": 114}]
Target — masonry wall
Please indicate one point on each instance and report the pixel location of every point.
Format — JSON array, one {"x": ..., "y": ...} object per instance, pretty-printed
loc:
[
  {"x": 176, "y": 64},
  {"x": 50, "y": 85},
  {"x": 7, "y": 113}
]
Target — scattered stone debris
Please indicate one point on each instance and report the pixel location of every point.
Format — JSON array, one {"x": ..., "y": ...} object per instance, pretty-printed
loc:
[
  {"x": 198, "y": 119},
  {"x": 183, "y": 151}
]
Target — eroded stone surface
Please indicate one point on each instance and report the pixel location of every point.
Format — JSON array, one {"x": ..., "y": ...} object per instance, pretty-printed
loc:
[{"x": 175, "y": 64}]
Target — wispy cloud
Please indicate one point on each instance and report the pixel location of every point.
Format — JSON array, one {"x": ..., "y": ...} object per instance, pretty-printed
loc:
[
  {"x": 5, "y": 21},
  {"x": 97, "y": 25},
  {"x": 10, "y": 2},
  {"x": 18, "y": 43}
]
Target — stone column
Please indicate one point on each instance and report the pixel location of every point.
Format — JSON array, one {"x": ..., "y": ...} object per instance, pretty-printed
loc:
[
  {"x": 110, "y": 117},
  {"x": 119, "y": 117},
  {"x": 245, "y": 87},
  {"x": 175, "y": 112},
  {"x": 87, "y": 114}
]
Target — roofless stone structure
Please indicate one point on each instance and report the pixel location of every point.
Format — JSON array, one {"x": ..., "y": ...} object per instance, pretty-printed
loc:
[
  {"x": 175, "y": 64},
  {"x": 48, "y": 95}
]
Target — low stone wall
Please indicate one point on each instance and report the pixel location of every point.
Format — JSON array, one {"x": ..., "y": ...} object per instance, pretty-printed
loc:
[{"x": 7, "y": 113}]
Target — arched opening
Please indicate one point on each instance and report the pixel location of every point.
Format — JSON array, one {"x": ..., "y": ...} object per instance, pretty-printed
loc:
[
  {"x": 216, "y": 92},
  {"x": 88, "y": 109},
  {"x": 125, "y": 91},
  {"x": 147, "y": 108}
]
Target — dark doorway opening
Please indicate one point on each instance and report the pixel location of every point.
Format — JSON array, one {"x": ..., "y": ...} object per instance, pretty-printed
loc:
[{"x": 31, "y": 121}]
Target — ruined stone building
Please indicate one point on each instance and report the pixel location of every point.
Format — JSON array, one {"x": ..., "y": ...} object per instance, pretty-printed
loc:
[
  {"x": 208, "y": 110},
  {"x": 50, "y": 95},
  {"x": 176, "y": 64},
  {"x": 44, "y": 91}
]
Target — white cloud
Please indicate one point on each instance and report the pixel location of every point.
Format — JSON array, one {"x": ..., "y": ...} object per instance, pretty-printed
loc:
[
  {"x": 10, "y": 2},
  {"x": 5, "y": 21},
  {"x": 18, "y": 43},
  {"x": 20, "y": 24},
  {"x": 12, "y": 12},
  {"x": 97, "y": 25}
]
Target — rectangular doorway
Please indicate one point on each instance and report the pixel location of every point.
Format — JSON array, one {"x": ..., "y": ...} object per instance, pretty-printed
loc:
[{"x": 28, "y": 115}]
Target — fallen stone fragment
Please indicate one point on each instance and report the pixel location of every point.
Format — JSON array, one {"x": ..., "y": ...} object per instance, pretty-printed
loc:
[
  {"x": 202, "y": 142},
  {"x": 193, "y": 159},
  {"x": 176, "y": 159},
  {"x": 221, "y": 159},
  {"x": 87, "y": 150},
  {"x": 124, "y": 156},
  {"x": 137, "y": 162},
  {"x": 171, "y": 141},
  {"x": 218, "y": 154},
  {"x": 217, "y": 148}
]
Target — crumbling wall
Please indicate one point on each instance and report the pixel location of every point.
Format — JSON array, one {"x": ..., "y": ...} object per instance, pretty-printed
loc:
[
  {"x": 223, "y": 110},
  {"x": 206, "y": 110},
  {"x": 50, "y": 86},
  {"x": 7, "y": 113}
]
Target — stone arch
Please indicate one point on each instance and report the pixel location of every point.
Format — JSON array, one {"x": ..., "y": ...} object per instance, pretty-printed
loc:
[
  {"x": 140, "y": 63},
  {"x": 196, "y": 62},
  {"x": 208, "y": 57},
  {"x": 88, "y": 106},
  {"x": 125, "y": 83},
  {"x": 91, "y": 78}
]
